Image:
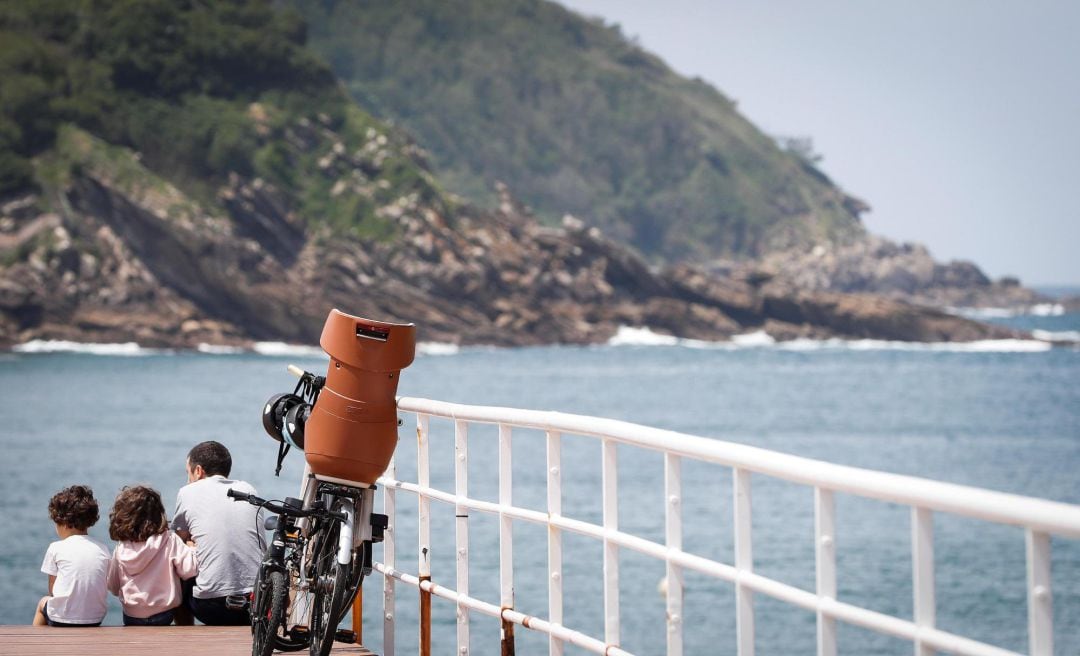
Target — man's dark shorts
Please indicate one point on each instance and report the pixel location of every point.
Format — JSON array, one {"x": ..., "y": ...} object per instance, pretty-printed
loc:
[
  {"x": 213, "y": 612},
  {"x": 53, "y": 622}
]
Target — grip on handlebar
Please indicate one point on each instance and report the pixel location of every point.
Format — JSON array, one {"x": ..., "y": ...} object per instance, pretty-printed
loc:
[
  {"x": 239, "y": 496},
  {"x": 296, "y": 371}
]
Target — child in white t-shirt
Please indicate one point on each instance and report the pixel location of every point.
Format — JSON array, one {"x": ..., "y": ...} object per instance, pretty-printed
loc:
[{"x": 76, "y": 564}]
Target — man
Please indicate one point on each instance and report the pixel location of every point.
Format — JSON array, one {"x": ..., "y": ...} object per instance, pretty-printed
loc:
[{"x": 227, "y": 536}]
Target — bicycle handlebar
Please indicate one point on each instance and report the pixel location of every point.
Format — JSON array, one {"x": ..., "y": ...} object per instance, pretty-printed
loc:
[{"x": 281, "y": 509}]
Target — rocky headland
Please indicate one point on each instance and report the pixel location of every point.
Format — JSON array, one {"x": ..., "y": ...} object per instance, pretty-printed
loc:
[
  {"x": 121, "y": 255},
  {"x": 175, "y": 186},
  {"x": 879, "y": 266}
]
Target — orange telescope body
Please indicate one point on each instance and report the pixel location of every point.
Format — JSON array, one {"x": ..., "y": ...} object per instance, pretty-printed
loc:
[{"x": 352, "y": 431}]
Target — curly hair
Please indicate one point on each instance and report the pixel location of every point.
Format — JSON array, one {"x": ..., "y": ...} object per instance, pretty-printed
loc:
[
  {"x": 137, "y": 514},
  {"x": 74, "y": 507}
]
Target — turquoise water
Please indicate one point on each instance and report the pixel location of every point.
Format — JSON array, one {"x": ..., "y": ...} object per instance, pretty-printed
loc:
[{"x": 1003, "y": 420}]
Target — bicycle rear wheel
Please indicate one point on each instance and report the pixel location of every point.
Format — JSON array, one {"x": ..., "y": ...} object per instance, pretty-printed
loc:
[{"x": 331, "y": 586}]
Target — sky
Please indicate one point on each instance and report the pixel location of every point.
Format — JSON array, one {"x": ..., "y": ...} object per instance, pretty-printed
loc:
[{"x": 957, "y": 121}]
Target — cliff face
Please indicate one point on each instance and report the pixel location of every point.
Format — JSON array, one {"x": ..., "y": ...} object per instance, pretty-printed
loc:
[
  {"x": 173, "y": 185},
  {"x": 127, "y": 256},
  {"x": 577, "y": 118},
  {"x": 874, "y": 265}
]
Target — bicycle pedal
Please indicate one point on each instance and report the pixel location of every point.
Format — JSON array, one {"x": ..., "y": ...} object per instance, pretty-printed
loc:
[
  {"x": 345, "y": 635},
  {"x": 237, "y": 602}
]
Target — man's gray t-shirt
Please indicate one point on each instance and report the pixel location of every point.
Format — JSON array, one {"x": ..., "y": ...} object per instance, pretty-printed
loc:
[{"x": 227, "y": 535}]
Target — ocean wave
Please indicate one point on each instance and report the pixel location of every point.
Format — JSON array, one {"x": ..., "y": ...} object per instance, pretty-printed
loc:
[
  {"x": 761, "y": 340},
  {"x": 65, "y": 346},
  {"x": 220, "y": 349},
  {"x": 283, "y": 349},
  {"x": 756, "y": 338},
  {"x": 979, "y": 346},
  {"x": 1056, "y": 335},
  {"x": 1037, "y": 310},
  {"x": 630, "y": 336},
  {"x": 437, "y": 348},
  {"x": 1047, "y": 310}
]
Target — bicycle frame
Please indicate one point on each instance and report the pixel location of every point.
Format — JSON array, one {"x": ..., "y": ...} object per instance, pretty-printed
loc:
[{"x": 358, "y": 506}]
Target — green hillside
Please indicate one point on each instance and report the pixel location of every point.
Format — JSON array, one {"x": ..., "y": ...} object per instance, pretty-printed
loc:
[
  {"x": 201, "y": 92},
  {"x": 577, "y": 118}
]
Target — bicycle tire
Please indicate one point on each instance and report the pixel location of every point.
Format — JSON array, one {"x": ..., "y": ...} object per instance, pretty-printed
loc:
[
  {"x": 331, "y": 586},
  {"x": 355, "y": 580},
  {"x": 261, "y": 604},
  {"x": 286, "y": 639}
]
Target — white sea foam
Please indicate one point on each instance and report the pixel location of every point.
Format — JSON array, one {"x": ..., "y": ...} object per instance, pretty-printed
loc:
[
  {"x": 756, "y": 338},
  {"x": 64, "y": 346},
  {"x": 760, "y": 339},
  {"x": 282, "y": 349},
  {"x": 980, "y": 346},
  {"x": 1037, "y": 310},
  {"x": 984, "y": 313},
  {"x": 630, "y": 336},
  {"x": 1057, "y": 336},
  {"x": 1047, "y": 310},
  {"x": 220, "y": 349},
  {"x": 437, "y": 348}
]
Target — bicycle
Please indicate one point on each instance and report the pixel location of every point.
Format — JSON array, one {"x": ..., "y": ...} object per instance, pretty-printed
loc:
[
  {"x": 281, "y": 565},
  {"x": 320, "y": 553},
  {"x": 353, "y": 433}
]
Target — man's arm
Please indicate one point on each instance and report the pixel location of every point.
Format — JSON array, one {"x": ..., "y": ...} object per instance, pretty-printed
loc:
[
  {"x": 180, "y": 521},
  {"x": 52, "y": 581}
]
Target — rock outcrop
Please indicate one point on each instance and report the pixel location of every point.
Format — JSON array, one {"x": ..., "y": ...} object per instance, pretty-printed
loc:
[
  {"x": 875, "y": 265},
  {"x": 110, "y": 260}
]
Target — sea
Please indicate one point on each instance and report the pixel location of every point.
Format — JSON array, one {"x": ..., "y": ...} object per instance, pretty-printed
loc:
[{"x": 999, "y": 415}]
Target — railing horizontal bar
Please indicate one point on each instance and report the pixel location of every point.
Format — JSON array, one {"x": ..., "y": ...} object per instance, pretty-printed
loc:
[
  {"x": 535, "y": 623},
  {"x": 641, "y": 545},
  {"x": 872, "y": 620},
  {"x": 841, "y": 611},
  {"x": 1037, "y": 514}
]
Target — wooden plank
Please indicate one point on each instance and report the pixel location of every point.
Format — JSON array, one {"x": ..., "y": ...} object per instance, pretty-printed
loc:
[{"x": 121, "y": 640}]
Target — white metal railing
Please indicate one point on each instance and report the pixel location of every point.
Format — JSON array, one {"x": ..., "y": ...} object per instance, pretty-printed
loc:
[{"x": 1038, "y": 517}]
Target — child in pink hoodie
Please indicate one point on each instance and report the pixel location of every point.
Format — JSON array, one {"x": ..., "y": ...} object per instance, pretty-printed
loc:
[{"x": 149, "y": 561}]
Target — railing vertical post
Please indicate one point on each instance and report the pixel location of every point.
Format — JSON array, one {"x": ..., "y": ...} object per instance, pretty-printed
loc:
[
  {"x": 922, "y": 570},
  {"x": 610, "y": 481},
  {"x": 461, "y": 530},
  {"x": 423, "y": 477},
  {"x": 506, "y": 536},
  {"x": 358, "y": 616},
  {"x": 554, "y": 503},
  {"x": 673, "y": 540},
  {"x": 744, "y": 563},
  {"x": 1040, "y": 601},
  {"x": 825, "y": 555},
  {"x": 389, "y": 559}
]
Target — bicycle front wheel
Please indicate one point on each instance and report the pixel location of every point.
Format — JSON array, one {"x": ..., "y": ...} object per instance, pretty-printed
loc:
[{"x": 267, "y": 610}]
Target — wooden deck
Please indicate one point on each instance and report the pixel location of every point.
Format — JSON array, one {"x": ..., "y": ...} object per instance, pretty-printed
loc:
[{"x": 124, "y": 640}]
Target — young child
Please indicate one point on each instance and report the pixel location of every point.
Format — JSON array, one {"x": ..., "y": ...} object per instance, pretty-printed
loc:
[
  {"x": 149, "y": 561},
  {"x": 76, "y": 564}
]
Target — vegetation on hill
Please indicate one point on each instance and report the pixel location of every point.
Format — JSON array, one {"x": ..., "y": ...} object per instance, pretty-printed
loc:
[
  {"x": 182, "y": 172},
  {"x": 200, "y": 91},
  {"x": 577, "y": 118}
]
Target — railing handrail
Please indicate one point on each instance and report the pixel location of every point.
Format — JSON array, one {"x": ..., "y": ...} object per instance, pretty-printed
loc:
[
  {"x": 1040, "y": 515},
  {"x": 1039, "y": 518}
]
